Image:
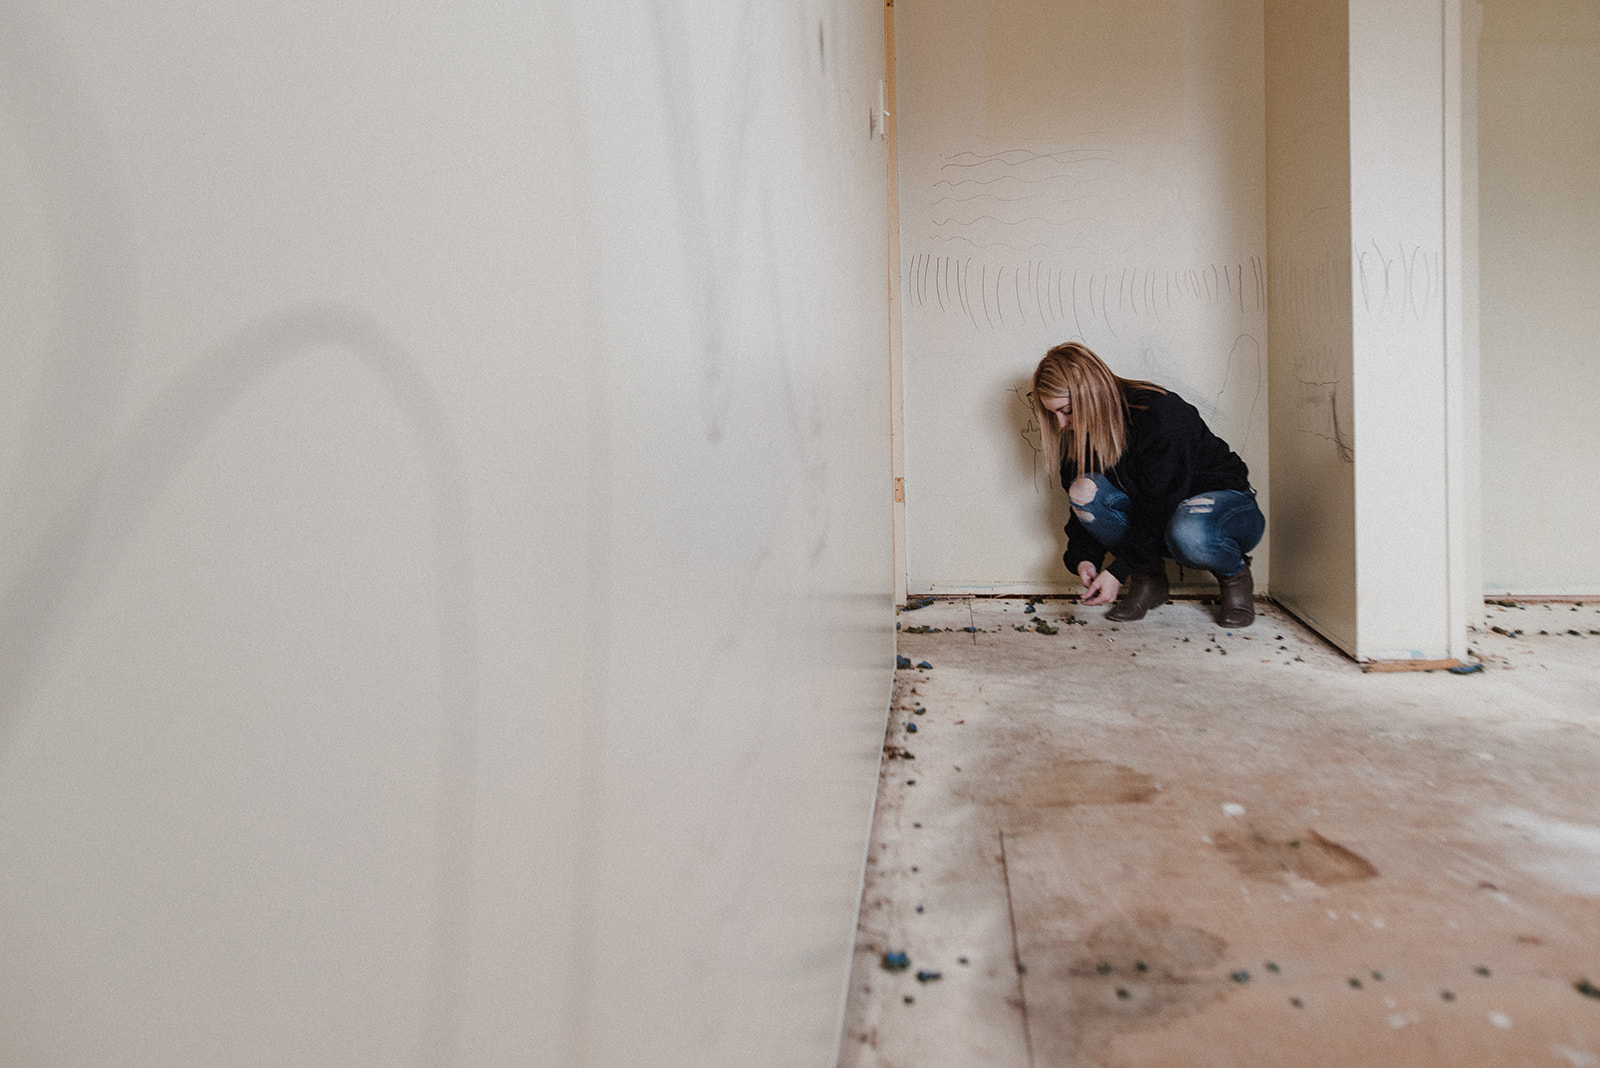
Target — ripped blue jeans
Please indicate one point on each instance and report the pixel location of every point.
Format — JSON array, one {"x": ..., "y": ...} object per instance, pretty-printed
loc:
[{"x": 1208, "y": 532}]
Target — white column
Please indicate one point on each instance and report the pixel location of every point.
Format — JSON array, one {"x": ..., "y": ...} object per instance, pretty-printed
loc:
[{"x": 1407, "y": 360}]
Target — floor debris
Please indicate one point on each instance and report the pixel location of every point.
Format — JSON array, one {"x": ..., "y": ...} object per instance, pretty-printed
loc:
[{"x": 1376, "y": 865}]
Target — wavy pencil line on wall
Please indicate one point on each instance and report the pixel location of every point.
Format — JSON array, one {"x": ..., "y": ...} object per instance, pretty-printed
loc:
[
  {"x": 1398, "y": 280},
  {"x": 1004, "y": 199},
  {"x": 989, "y": 295},
  {"x": 1013, "y": 157},
  {"x": 998, "y": 199},
  {"x": 1019, "y": 180}
]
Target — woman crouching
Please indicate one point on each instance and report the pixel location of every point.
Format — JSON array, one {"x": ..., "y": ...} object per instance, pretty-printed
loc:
[{"x": 1147, "y": 479}]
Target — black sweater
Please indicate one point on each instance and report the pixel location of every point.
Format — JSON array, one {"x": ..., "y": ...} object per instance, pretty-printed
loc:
[{"x": 1172, "y": 455}]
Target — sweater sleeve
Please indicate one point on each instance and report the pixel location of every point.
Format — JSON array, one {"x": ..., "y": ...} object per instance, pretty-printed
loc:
[{"x": 1081, "y": 546}]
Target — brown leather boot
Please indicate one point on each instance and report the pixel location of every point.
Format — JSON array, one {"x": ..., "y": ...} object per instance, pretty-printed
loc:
[
  {"x": 1238, "y": 599},
  {"x": 1146, "y": 590}
]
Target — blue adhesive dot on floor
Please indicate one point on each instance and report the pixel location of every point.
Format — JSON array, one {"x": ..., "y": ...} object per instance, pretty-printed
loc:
[
  {"x": 927, "y": 976},
  {"x": 896, "y": 961},
  {"x": 911, "y": 728},
  {"x": 1028, "y": 610},
  {"x": 925, "y": 665},
  {"x": 920, "y": 711},
  {"x": 902, "y": 662},
  {"x": 1466, "y": 669}
]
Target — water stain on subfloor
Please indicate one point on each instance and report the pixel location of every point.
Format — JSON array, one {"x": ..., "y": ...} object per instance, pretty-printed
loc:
[
  {"x": 1061, "y": 784},
  {"x": 1135, "y": 971},
  {"x": 1306, "y": 855}
]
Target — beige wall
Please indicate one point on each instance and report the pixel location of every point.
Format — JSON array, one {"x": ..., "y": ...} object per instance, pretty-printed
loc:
[
  {"x": 1312, "y": 523},
  {"x": 445, "y": 606},
  {"x": 1069, "y": 171},
  {"x": 1408, "y": 417},
  {"x": 1539, "y": 107},
  {"x": 1372, "y": 366}
]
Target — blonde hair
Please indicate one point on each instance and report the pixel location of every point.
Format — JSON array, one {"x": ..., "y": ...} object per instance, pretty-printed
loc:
[{"x": 1099, "y": 434}]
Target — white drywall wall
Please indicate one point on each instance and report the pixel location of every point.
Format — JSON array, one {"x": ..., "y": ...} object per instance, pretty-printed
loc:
[
  {"x": 1401, "y": 369},
  {"x": 1312, "y": 522},
  {"x": 445, "y": 604},
  {"x": 1069, "y": 171},
  {"x": 1371, "y": 371},
  {"x": 1539, "y": 109}
]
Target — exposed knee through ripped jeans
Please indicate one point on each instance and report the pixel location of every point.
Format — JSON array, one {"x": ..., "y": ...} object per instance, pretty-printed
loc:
[{"x": 1208, "y": 532}]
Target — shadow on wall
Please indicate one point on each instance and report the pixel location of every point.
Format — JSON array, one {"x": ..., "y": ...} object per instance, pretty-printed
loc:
[
  {"x": 101, "y": 490},
  {"x": 1049, "y": 502},
  {"x": 101, "y": 516}
]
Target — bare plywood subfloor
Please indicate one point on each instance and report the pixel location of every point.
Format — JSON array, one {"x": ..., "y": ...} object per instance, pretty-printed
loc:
[{"x": 1213, "y": 848}]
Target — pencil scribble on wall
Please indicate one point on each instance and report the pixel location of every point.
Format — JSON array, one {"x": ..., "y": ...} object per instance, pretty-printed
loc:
[
  {"x": 1029, "y": 431},
  {"x": 1244, "y": 375},
  {"x": 1019, "y": 236},
  {"x": 1027, "y": 416},
  {"x": 999, "y": 200},
  {"x": 1313, "y": 298},
  {"x": 989, "y": 295},
  {"x": 729, "y": 217},
  {"x": 704, "y": 208},
  {"x": 1317, "y": 415},
  {"x": 1400, "y": 280}
]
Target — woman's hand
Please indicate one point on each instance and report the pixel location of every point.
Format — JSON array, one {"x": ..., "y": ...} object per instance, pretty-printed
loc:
[{"x": 1099, "y": 587}]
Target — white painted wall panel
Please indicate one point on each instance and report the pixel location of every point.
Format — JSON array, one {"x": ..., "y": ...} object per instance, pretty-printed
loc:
[
  {"x": 1366, "y": 188},
  {"x": 1540, "y": 151},
  {"x": 1069, "y": 171},
  {"x": 446, "y": 597},
  {"x": 1398, "y": 272},
  {"x": 1308, "y": 233}
]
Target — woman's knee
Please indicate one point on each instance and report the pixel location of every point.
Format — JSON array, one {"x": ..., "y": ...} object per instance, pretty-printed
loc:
[
  {"x": 1212, "y": 531},
  {"x": 1194, "y": 535},
  {"x": 1092, "y": 497},
  {"x": 1100, "y": 506}
]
